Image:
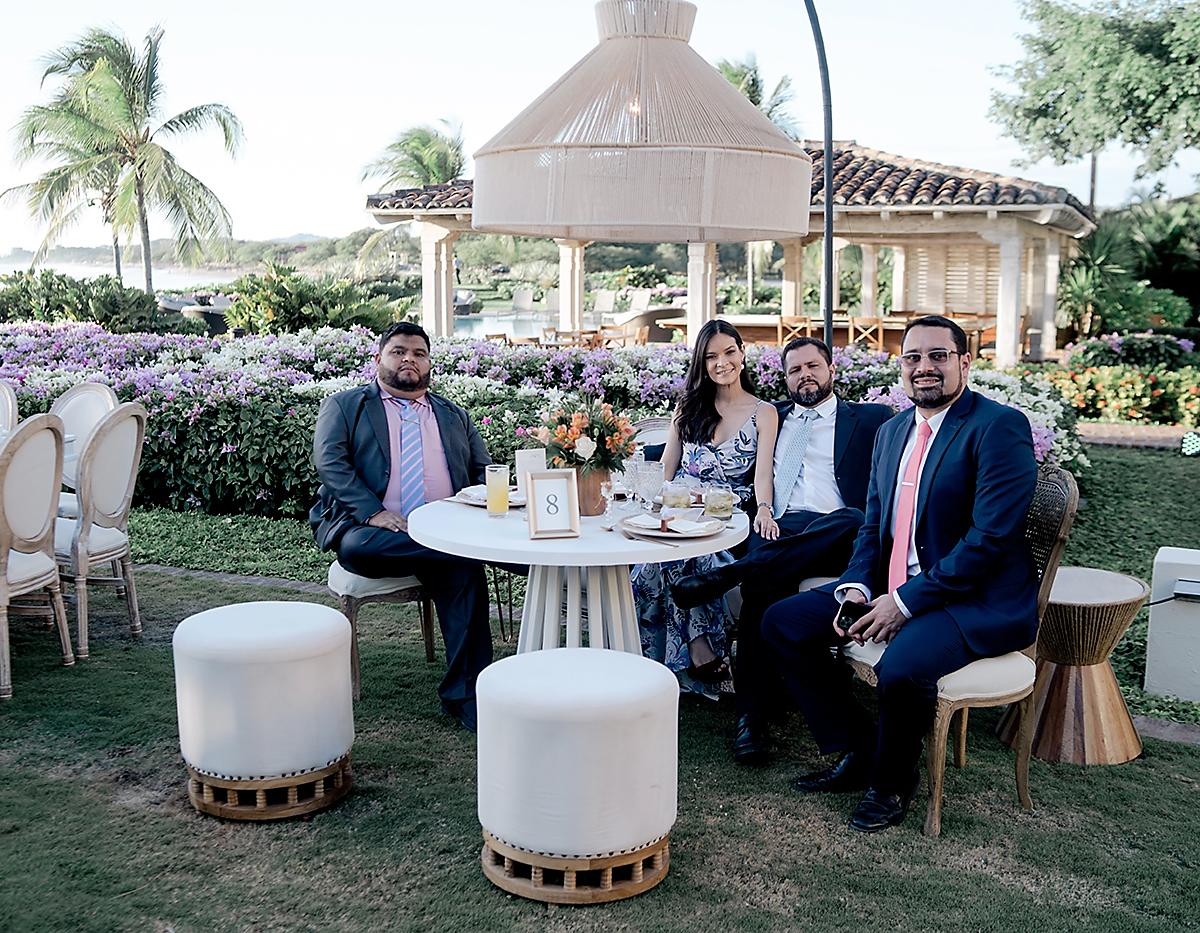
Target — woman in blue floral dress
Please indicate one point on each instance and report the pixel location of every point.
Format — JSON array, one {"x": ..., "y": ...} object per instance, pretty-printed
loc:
[{"x": 720, "y": 433}]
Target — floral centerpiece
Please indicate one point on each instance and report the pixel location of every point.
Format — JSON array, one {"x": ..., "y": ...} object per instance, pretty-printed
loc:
[{"x": 591, "y": 438}]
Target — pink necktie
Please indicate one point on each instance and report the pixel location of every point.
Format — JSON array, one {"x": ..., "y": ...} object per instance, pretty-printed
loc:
[{"x": 902, "y": 527}]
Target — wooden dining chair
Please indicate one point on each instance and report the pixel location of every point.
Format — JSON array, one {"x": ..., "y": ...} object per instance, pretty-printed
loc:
[
  {"x": 642, "y": 337},
  {"x": 791, "y": 327},
  {"x": 30, "y": 476},
  {"x": 108, "y": 469},
  {"x": 8, "y": 407},
  {"x": 497, "y": 338},
  {"x": 868, "y": 329}
]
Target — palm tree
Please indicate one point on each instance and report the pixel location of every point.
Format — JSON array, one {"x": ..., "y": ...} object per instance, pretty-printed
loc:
[
  {"x": 116, "y": 108},
  {"x": 84, "y": 176},
  {"x": 420, "y": 155},
  {"x": 745, "y": 76}
]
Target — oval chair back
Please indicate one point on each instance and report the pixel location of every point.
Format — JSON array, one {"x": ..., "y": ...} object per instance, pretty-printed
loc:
[
  {"x": 108, "y": 468},
  {"x": 8, "y": 407},
  {"x": 81, "y": 408},
  {"x": 30, "y": 469}
]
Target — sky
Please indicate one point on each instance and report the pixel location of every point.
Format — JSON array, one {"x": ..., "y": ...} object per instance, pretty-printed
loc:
[{"x": 322, "y": 88}]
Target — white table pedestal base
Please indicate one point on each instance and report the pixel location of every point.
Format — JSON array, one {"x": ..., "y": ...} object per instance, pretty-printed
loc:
[{"x": 611, "y": 617}]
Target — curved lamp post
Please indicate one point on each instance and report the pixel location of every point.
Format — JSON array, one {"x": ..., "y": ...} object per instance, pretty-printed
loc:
[{"x": 826, "y": 174}]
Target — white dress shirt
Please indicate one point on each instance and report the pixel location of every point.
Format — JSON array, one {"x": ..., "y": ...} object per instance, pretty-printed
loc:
[
  {"x": 816, "y": 489},
  {"x": 914, "y": 564}
]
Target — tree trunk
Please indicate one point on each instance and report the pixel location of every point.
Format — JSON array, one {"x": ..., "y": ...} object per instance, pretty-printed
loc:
[
  {"x": 116, "y": 244},
  {"x": 1092, "y": 187},
  {"x": 144, "y": 224}
]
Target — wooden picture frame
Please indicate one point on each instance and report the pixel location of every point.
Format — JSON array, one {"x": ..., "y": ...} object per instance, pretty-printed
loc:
[{"x": 549, "y": 515}]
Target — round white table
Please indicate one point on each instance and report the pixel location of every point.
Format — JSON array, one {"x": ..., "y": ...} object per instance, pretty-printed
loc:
[{"x": 592, "y": 569}]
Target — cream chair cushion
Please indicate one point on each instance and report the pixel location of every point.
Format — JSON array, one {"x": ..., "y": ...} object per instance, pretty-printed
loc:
[
  {"x": 982, "y": 679},
  {"x": 68, "y": 505},
  {"x": 345, "y": 583},
  {"x": 263, "y": 689},
  {"x": 101, "y": 540},
  {"x": 26, "y": 567},
  {"x": 578, "y": 751}
]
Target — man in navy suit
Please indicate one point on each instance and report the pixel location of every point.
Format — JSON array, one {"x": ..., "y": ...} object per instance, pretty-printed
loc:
[
  {"x": 821, "y": 469},
  {"x": 941, "y": 563},
  {"x": 382, "y": 450}
]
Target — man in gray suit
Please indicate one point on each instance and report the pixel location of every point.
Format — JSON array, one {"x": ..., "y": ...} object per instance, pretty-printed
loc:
[{"x": 381, "y": 450}]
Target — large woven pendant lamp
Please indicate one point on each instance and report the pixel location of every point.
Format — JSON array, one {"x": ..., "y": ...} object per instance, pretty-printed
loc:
[{"x": 643, "y": 141}]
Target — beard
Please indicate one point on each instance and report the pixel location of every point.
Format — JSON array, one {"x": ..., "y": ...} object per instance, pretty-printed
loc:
[
  {"x": 404, "y": 382},
  {"x": 808, "y": 393},
  {"x": 934, "y": 396}
]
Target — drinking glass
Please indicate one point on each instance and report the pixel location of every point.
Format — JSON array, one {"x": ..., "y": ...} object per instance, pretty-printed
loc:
[
  {"x": 718, "y": 501},
  {"x": 606, "y": 490},
  {"x": 676, "y": 495},
  {"x": 497, "y": 489},
  {"x": 650, "y": 482}
]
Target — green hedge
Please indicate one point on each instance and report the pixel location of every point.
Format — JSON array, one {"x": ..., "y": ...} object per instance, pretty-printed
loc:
[{"x": 52, "y": 297}]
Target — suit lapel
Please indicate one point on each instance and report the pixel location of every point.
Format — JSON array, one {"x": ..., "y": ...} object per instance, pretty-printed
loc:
[
  {"x": 378, "y": 418},
  {"x": 889, "y": 465},
  {"x": 450, "y": 429},
  {"x": 843, "y": 430},
  {"x": 955, "y": 418}
]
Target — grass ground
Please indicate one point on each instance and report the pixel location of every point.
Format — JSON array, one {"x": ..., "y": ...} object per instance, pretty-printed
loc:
[{"x": 96, "y": 832}]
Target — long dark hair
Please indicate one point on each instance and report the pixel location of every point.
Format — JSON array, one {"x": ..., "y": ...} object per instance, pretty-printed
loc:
[{"x": 697, "y": 417}]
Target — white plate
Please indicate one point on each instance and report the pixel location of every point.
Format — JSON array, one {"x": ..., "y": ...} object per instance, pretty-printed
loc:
[
  {"x": 477, "y": 495},
  {"x": 713, "y": 527}
]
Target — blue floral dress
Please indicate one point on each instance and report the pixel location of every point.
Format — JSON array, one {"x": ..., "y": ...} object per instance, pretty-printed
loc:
[{"x": 666, "y": 629}]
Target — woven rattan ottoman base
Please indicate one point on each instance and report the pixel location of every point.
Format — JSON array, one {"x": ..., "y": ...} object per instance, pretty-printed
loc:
[
  {"x": 561, "y": 880},
  {"x": 273, "y": 798}
]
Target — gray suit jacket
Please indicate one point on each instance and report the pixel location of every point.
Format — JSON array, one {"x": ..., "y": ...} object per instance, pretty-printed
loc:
[{"x": 351, "y": 451}]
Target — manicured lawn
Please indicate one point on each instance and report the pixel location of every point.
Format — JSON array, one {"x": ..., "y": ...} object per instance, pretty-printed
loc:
[{"x": 97, "y": 833}]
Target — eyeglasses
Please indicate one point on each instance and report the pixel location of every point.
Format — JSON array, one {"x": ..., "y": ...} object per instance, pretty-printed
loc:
[{"x": 936, "y": 357}]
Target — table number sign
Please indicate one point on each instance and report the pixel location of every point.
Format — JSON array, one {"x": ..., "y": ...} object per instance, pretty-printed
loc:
[
  {"x": 553, "y": 504},
  {"x": 529, "y": 461}
]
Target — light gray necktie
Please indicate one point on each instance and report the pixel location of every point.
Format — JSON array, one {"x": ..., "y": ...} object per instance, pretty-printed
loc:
[{"x": 792, "y": 465}]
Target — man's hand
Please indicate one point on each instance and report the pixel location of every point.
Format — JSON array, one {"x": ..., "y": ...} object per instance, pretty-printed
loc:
[
  {"x": 880, "y": 624},
  {"x": 389, "y": 520}
]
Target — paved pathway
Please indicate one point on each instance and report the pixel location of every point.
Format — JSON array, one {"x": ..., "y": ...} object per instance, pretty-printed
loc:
[{"x": 1121, "y": 434}]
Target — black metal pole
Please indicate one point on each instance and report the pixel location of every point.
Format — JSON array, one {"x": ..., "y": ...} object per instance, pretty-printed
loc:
[{"x": 826, "y": 174}]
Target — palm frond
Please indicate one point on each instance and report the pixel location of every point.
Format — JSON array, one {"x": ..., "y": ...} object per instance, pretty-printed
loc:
[
  {"x": 201, "y": 117},
  {"x": 421, "y": 155}
]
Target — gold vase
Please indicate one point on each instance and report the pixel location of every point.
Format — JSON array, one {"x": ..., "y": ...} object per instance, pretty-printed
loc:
[{"x": 590, "y": 500}]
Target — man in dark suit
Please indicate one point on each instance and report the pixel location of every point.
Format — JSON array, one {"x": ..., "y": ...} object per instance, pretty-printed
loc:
[
  {"x": 382, "y": 450},
  {"x": 941, "y": 563},
  {"x": 822, "y": 464}
]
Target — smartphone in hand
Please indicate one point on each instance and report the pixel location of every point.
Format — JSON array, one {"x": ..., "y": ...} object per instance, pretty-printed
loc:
[{"x": 848, "y": 613}]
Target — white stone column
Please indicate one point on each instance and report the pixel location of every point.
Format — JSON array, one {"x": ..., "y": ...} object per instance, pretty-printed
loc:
[
  {"x": 570, "y": 284},
  {"x": 1049, "y": 309},
  {"x": 1008, "y": 301},
  {"x": 437, "y": 279},
  {"x": 1035, "y": 288},
  {"x": 838, "y": 245},
  {"x": 793, "y": 279},
  {"x": 702, "y": 287},
  {"x": 868, "y": 303},
  {"x": 899, "y": 278}
]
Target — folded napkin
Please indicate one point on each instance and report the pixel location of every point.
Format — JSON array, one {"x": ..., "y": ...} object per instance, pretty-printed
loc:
[
  {"x": 684, "y": 527},
  {"x": 644, "y": 521}
]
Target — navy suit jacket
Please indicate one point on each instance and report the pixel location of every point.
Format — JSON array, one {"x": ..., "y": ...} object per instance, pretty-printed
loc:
[
  {"x": 976, "y": 487},
  {"x": 352, "y": 454},
  {"x": 853, "y": 438}
]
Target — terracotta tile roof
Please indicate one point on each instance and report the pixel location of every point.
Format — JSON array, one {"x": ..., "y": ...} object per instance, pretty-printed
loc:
[{"x": 862, "y": 178}]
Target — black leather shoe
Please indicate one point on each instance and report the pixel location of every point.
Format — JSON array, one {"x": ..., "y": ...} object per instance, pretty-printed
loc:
[
  {"x": 463, "y": 714},
  {"x": 699, "y": 588},
  {"x": 750, "y": 744},
  {"x": 878, "y": 811},
  {"x": 850, "y": 772}
]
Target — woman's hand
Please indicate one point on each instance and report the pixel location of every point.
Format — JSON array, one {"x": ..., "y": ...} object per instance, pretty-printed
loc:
[{"x": 765, "y": 525}]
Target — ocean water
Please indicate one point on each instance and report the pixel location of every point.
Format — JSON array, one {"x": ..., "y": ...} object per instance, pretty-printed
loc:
[{"x": 165, "y": 277}]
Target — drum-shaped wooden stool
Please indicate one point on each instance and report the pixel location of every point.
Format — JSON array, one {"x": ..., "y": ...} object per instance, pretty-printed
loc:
[{"x": 1079, "y": 714}]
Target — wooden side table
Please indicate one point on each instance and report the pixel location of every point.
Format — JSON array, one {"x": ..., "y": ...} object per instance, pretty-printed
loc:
[{"x": 1079, "y": 714}]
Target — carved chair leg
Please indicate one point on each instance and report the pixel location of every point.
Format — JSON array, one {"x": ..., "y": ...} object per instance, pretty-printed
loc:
[
  {"x": 130, "y": 592},
  {"x": 5, "y": 662},
  {"x": 81, "y": 614},
  {"x": 936, "y": 750},
  {"x": 350, "y": 611},
  {"x": 427, "y": 627},
  {"x": 960, "y": 737},
  {"x": 1024, "y": 749},
  {"x": 58, "y": 614},
  {"x": 118, "y": 575}
]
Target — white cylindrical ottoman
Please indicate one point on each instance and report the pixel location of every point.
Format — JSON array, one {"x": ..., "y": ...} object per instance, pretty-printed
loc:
[
  {"x": 578, "y": 773},
  {"x": 265, "y": 712}
]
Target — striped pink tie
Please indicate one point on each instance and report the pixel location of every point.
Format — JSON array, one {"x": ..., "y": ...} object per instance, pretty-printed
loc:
[
  {"x": 412, "y": 464},
  {"x": 902, "y": 527}
]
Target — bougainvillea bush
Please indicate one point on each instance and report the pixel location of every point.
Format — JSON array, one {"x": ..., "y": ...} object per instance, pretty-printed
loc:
[{"x": 232, "y": 418}]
